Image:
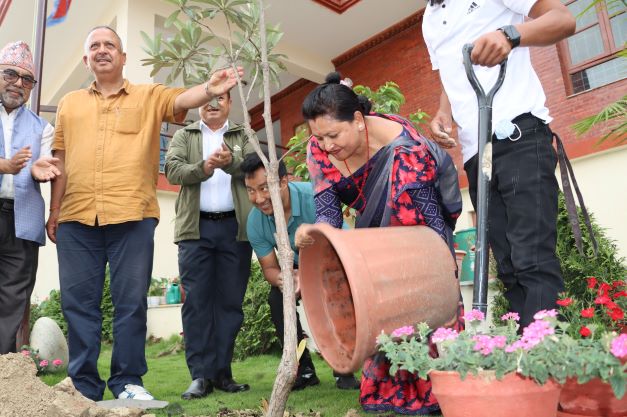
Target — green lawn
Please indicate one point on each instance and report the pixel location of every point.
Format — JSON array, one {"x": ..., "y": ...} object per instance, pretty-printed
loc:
[{"x": 168, "y": 377}]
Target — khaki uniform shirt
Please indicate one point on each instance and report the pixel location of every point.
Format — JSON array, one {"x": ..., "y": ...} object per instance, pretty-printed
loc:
[{"x": 112, "y": 152}]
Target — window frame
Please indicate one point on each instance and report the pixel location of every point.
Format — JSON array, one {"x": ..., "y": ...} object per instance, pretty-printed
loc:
[{"x": 610, "y": 51}]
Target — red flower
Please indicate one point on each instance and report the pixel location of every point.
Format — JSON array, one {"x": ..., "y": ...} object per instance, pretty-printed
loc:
[
  {"x": 588, "y": 312},
  {"x": 565, "y": 302},
  {"x": 592, "y": 282},
  {"x": 604, "y": 289},
  {"x": 455, "y": 246},
  {"x": 616, "y": 313},
  {"x": 603, "y": 299},
  {"x": 584, "y": 331},
  {"x": 619, "y": 294},
  {"x": 617, "y": 284}
]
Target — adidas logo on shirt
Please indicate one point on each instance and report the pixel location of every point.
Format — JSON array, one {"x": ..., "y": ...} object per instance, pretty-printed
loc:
[{"x": 473, "y": 6}]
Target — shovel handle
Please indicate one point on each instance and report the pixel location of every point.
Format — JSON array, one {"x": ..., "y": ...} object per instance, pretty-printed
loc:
[{"x": 484, "y": 99}]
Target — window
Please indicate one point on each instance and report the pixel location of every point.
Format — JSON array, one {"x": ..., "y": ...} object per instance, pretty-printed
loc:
[{"x": 592, "y": 52}]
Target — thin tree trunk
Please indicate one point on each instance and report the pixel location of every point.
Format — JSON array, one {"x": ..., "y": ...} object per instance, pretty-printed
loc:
[{"x": 287, "y": 368}]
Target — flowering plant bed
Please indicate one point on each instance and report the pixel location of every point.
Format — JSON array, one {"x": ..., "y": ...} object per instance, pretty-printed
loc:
[
  {"x": 43, "y": 365},
  {"x": 599, "y": 309}
]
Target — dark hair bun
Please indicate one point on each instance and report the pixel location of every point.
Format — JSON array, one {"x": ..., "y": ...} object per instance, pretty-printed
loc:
[
  {"x": 333, "y": 78},
  {"x": 365, "y": 104}
]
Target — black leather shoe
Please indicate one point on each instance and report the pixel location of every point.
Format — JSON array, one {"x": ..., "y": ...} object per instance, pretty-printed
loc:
[
  {"x": 346, "y": 382},
  {"x": 229, "y": 385},
  {"x": 306, "y": 379},
  {"x": 199, "y": 388}
]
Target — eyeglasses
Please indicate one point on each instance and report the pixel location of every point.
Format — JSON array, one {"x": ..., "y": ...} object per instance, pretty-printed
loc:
[{"x": 11, "y": 76}]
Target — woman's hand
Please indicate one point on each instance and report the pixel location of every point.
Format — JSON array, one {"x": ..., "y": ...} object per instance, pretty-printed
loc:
[{"x": 302, "y": 237}]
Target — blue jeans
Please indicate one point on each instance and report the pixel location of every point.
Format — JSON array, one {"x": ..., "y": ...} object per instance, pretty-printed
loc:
[
  {"x": 523, "y": 217},
  {"x": 83, "y": 253}
]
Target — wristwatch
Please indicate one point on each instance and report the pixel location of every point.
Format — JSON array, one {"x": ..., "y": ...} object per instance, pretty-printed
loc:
[{"x": 511, "y": 34}]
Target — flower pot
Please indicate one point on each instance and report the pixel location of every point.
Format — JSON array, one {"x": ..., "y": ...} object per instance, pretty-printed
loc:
[
  {"x": 153, "y": 301},
  {"x": 594, "y": 398},
  {"x": 484, "y": 395},
  {"x": 357, "y": 283},
  {"x": 459, "y": 258}
]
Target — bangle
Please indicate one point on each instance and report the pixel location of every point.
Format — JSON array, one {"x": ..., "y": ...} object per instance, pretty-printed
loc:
[{"x": 55, "y": 208}]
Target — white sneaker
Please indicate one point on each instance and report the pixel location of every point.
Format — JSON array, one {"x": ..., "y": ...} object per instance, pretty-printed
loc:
[{"x": 135, "y": 392}]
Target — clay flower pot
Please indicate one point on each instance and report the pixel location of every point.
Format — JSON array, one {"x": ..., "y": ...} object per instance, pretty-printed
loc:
[
  {"x": 459, "y": 258},
  {"x": 484, "y": 395},
  {"x": 357, "y": 283},
  {"x": 594, "y": 398}
]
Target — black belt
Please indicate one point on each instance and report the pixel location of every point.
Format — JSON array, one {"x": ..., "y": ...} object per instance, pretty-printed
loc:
[
  {"x": 207, "y": 215},
  {"x": 528, "y": 121}
]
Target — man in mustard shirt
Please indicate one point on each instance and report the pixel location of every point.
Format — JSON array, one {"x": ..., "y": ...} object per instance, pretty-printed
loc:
[{"x": 104, "y": 208}]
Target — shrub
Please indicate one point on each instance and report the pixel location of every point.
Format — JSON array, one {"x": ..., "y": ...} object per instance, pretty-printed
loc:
[
  {"x": 257, "y": 335},
  {"x": 607, "y": 266}
]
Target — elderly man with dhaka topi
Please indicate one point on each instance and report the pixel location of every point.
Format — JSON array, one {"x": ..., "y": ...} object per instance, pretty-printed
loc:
[
  {"x": 24, "y": 137},
  {"x": 104, "y": 207}
]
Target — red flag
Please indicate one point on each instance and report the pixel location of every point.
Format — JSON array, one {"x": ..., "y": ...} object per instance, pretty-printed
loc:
[
  {"x": 59, "y": 12},
  {"x": 4, "y": 8}
]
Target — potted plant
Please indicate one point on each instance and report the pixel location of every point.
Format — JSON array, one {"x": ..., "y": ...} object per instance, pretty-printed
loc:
[
  {"x": 155, "y": 292},
  {"x": 595, "y": 326},
  {"x": 493, "y": 372}
]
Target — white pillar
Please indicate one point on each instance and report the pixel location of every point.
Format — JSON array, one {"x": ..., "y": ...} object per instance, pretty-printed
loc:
[{"x": 133, "y": 17}]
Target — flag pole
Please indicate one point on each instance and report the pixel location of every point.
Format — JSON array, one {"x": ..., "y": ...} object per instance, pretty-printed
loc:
[{"x": 40, "y": 37}]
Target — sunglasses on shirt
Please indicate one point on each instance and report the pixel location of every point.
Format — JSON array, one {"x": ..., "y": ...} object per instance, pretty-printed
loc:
[{"x": 12, "y": 76}]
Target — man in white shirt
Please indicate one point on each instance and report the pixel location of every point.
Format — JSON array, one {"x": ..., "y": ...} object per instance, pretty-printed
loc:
[
  {"x": 24, "y": 137},
  {"x": 523, "y": 204},
  {"x": 214, "y": 253}
]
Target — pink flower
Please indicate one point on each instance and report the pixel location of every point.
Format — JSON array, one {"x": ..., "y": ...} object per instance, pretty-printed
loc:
[
  {"x": 487, "y": 344},
  {"x": 57, "y": 362},
  {"x": 473, "y": 315},
  {"x": 619, "y": 346},
  {"x": 43, "y": 363},
  {"x": 403, "y": 331},
  {"x": 545, "y": 313},
  {"x": 511, "y": 316},
  {"x": 533, "y": 334},
  {"x": 443, "y": 334},
  {"x": 25, "y": 353}
]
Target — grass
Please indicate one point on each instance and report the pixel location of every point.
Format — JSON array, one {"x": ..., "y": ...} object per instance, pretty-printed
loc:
[{"x": 168, "y": 377}]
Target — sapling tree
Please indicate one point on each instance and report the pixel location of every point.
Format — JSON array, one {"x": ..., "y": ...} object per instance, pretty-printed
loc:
[{"x": 245, "y": 41}]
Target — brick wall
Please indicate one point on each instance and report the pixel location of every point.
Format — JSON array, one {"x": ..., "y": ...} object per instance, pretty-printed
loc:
[{"x": 403, "y": 58}]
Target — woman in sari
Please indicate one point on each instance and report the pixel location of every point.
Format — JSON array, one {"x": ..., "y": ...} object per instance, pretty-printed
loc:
[{"x": 382, "y": 168}]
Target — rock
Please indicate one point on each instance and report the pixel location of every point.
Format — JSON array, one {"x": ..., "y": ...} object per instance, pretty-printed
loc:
[
  {"x": 48, "y": 339},
  {"x": 65, "y": 405}
]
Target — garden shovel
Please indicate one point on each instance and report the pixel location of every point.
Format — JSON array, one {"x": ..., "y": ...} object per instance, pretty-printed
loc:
[{"x": 484, "y": 174}]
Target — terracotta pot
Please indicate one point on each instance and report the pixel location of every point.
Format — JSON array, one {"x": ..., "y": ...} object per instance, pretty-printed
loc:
[
  {"x": 484, "y": 395},
  {"x": 459, "y": 258},
  {"x": 594, "y": 398},
  {"x": 357, "y": 283}
]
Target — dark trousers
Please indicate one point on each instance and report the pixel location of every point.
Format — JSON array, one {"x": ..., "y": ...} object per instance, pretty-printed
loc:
[
  {"x": 214, "y": 273},
  {"x": 522, "y": 217},
  {"x": 18, "y": 268},
  {"x": 275, "y": 300},
  {"x": 83, "y": 253}
]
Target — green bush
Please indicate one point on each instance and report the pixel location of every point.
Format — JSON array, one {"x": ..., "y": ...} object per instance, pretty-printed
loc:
[
  {"x": 257, "y": 335},
  {"x": 607, "y": 266},
  {"x": 51, "y": 307}
]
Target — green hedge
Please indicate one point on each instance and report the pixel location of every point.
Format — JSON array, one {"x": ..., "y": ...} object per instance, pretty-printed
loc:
[
  {"x": 257, "y": 335},
  {"x": 608, "y": 266}
]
